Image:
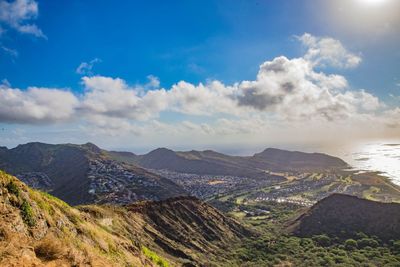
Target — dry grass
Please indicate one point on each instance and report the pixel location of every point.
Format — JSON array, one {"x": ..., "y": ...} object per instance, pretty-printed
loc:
[{"x": 50, "y": 248}]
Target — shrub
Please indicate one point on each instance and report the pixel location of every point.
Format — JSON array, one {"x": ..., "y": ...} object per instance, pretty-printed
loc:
[
  {"x": 322, "y": 240},
  {"x": 27, "y": 213},
  {"x": 367, "y": 242},
  {"x": 49, "y": 249},
  {"x": 340, "y": 259},
  {"x": 154, "y": 257},
  {"x": 361, "y": 235},
  {"x": 359, "y": 257},
  {"x": 396, "y": 246},
  {"x": 13, "y": 188},
  {"x": 350, "y": 244},
  {"x": 307, "y": 243}
]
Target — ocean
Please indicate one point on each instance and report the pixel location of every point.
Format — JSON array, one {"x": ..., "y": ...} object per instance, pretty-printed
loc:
[{"x": 372, "y": 156}]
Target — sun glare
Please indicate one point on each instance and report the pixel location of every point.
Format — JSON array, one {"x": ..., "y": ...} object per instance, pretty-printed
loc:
[{"x": 371, "y": 2}]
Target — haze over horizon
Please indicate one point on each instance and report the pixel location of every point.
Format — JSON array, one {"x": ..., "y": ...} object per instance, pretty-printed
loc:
[{"x": 236, "y": 77}]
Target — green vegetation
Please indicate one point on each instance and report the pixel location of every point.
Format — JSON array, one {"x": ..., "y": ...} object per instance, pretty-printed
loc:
[
  {"x": 154, "y": 257},
  {"x": 275, "y": 247},
  {"x": 315, "y": 251},
  {"x": 13, "y": 188},
  {"x": 25, "y": 208},
  {"x": 27, "y": 213}
]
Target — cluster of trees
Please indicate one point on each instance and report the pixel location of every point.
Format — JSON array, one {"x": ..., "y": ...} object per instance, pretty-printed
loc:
[{"x": 320, "y": 250}]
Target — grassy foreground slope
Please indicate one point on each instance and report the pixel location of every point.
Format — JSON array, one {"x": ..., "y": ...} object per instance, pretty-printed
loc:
[{"x": 37, "y": 229}]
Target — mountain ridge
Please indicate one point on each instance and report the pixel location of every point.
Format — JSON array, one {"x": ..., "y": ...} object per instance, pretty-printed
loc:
[
  {"x": 212, "y": 162},
  {"x": 81, "y": 174}
]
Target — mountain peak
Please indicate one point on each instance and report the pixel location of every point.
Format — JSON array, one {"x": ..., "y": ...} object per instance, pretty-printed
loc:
[
  {"x": 161, "y": 150},
  {"x": 91, "y": 147}
]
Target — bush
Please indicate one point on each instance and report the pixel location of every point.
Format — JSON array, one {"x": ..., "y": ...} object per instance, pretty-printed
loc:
[
  {"x": 350, "y": 244},
  {"x": 322, "y": 240},
  {"x": 27, "y": 213},
  {"x": 396, "y": 246},
  {"x": 367, "y": 242},
  {"x": 13, "y": 188},
  {"x": 50, "y": 249},
  {"x": 154, "y": 257}
]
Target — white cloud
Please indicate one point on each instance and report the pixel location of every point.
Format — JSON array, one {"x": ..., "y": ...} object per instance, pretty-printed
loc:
[
  {"x": 391, "y": 119},
  {"x": 85, "y": 68},
  {"x": 293, "y": 90},
  {"x": 154, "y": 82},
  {"x": 9, "y": 51},
  {"x": 286, "y": 95},
  {"x": 325, "y": 51},
  {"x": 36, "y": 105},
  {"x": 115, "y": 98},
  {"x": 284, "y": 90},
  {"x": 18, "y": 14},
  {"x": 204, "y": 99}
]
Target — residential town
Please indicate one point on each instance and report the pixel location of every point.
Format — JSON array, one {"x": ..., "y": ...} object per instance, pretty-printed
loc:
[
  {"x": 205, "y": 186},
  {"x": 113, "y": 183},
  {"x": 38, "y": 180}
]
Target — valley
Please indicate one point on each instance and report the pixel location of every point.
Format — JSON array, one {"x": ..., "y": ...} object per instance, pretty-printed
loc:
[{"x": 131, "y": 215}]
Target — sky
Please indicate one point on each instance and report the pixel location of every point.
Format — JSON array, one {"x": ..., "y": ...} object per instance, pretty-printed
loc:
[{"x": 226, "y": 75}]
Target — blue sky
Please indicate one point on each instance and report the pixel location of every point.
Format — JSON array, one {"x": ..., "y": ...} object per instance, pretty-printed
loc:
[{"x": 191, "y": 41}]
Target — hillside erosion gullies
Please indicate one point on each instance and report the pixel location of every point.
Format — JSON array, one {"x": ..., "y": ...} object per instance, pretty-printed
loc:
[
  {"x": 345, "y": 216},
  {"x": 37, "y": 229},
  {"x": 211, "y": 162},
  {"x": 202, "y": 224},
  {"x": 83, "y": 174}
]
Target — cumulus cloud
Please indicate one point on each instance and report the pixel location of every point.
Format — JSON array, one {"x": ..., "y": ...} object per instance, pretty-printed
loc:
[
  {"x": 85, "y": 68},
  {"x": 18, "y": 14},
  {"x": 285, "y": 94},
  {"x": 325, "y": 51},
  {"x": 292, "y": 89},
  {"x": 289, "y": 89},
  {"x": 115, "y": 98},
  {"x": 202, "y": 99},
  {"x": 35, "y": 105}
]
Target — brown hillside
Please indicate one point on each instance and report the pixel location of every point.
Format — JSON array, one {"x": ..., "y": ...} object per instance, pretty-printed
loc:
[{"x": 37, "y": 229}]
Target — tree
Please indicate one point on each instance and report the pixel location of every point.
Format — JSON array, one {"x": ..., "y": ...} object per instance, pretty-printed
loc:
[
  {"x": 367, "y": 242},
  {"x": 350, "y": 244},
  {"x": 396, "y": 246},
  {"x": 322, "y": 240}
]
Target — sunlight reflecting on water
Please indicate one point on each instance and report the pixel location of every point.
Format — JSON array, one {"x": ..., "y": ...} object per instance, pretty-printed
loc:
[{"x": 374, "y": 156}]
